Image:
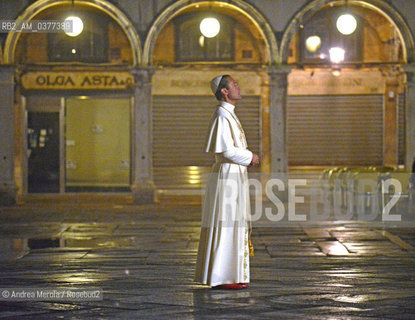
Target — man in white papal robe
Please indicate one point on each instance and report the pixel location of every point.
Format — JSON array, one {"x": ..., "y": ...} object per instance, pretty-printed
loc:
[{"x": 223, "y": 255}]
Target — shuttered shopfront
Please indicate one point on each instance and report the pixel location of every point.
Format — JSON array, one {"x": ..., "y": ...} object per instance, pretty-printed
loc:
[
  {"x": 180, "y": 124},
  {"x": 335, "y": 129}
]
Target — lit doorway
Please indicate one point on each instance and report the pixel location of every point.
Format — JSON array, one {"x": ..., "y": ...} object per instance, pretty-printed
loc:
[{"x": 97, "y": 144}]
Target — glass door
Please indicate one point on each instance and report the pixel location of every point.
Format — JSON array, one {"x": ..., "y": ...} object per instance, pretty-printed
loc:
[
  {"x": 43, "y": 152},
  {"x": 97, "y": 147}
]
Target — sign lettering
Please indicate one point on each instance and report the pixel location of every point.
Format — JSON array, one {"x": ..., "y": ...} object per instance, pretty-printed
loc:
[{"x": 77, "y": 80}]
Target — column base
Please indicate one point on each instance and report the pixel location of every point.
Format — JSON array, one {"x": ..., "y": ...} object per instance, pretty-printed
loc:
[
  {"x": 8, "y": 195},
  {"x": 143, "y": 193}
]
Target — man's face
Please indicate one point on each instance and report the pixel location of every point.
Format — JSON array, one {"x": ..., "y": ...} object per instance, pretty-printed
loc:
[{"x": 233, "y": 90}]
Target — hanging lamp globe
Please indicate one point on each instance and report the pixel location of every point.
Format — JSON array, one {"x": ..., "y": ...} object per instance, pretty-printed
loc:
[
  {"x": 313, "y": 43},
  {"x": 210, "y": 27},
  {"x": 346, "y": 24},
  {"x": 77, "y": 26}
]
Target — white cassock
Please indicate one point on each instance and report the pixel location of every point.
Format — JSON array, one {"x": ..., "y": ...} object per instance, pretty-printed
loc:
[{"x": 223, "y": 255}]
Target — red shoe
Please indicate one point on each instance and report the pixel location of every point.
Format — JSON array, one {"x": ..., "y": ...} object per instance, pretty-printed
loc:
[
  {"x": 231, "y": 286},
  {"x": 244, "y": 285}
]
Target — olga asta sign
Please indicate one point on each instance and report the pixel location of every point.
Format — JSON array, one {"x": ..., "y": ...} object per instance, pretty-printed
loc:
[{"x": 77, "y": 80}]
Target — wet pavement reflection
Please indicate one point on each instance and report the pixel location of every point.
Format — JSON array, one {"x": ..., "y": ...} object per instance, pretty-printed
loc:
[{"x": 143, "y": 257}]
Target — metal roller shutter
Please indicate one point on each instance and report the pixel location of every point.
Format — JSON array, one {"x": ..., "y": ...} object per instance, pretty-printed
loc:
[
  {"x": 335, "y": 130},
  {"x": 180, "y": 124}
]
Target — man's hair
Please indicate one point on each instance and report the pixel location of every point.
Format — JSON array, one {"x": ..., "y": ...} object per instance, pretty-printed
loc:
[{"x": 222, "y": 84}]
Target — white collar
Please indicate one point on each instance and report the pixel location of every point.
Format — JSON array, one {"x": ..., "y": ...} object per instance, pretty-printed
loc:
[{"x": 227, "y": 106}]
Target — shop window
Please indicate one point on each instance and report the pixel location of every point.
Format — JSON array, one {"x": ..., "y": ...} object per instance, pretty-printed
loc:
[
  {"x": 320, "y": 34},
  {"x": 91, "y": 45},
  {"x": 192, "y": 45}
]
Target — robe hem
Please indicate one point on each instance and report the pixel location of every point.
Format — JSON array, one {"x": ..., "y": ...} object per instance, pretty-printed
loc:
[{"x": 220, "y": 283}]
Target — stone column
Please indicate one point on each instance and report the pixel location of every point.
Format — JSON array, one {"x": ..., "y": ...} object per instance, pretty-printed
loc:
[
  {"x": 278, "y": 127},
  {"x": 142, "y": 165},
  {"x": 278, "y": 119},
  {"x": 8, "y": 190},
  {"x": 410, "y": 116},
  {"x": 390, "y": 132}
]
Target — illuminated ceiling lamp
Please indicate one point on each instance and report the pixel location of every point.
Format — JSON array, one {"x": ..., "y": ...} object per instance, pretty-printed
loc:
[
  {"x": 313, "y": 43},
  {"x": 336, "y": 72},
  {"x": 76, "y": 23},
  {"x": 210, "y": 27},
  {"x": 77, "y": 26},
  {"x": 337, "y": 54},
  {"x": 346, "y": 24}
]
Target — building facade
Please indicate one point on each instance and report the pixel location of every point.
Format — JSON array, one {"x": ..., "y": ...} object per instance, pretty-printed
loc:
[{"x": 123, "y": 106}]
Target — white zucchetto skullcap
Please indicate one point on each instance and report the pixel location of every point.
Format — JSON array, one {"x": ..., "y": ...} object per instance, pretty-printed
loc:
[{"x": 214, "y": 84}]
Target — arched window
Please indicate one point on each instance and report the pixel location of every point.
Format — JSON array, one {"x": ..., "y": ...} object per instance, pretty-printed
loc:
[
  {"x": 192, "y": 45},
  {"x": 102, "y": 40},
  {"x": 320, "y": 34},
  {"x": 91, "y": 45}
]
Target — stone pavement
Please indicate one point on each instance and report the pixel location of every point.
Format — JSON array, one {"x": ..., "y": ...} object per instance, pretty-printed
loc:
[{"x": 143, "y": 258}]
